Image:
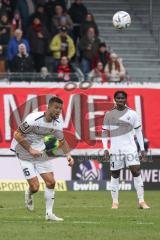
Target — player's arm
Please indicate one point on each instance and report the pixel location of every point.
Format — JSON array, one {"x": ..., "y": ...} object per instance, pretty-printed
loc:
[
  {"x": 105, "y": 139},
  {"x": 140, "y": 140},
  {"x": 139, "y": 135},
  {"x": 66, "y": 150},
  {"x": 19, "y": 134},
  {"x": 64, "y": 146},
  {"x": 105, "y": 136}
]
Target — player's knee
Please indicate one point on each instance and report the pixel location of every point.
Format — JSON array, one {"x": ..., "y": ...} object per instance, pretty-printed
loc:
[
  {"x": 51, "y": 184},
  {"x": 34, "y": 187},
  {"x": 136, "y": 172},
  {"x": 115, "y": 174}
]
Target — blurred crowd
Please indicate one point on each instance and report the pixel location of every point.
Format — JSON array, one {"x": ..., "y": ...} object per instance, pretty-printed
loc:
[{"x": 33, "y": 31}]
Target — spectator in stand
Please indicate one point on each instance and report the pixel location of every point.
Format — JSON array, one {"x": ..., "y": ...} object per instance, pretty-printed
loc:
[
  {"x": 64, "y": 70},
  {"x": 3, "y": 67},
  {"x": 12, "y": 49},
  {"x": 5, "y": 31},
  {"x": 60, "y": 19},
  {"x": 16, "y": 21},
  {"x": 87, "y": 23},
  {"x": 102, "y": 55},
  {"x": 97, "y": 74},
  {"x": 26, "y": 9},
  {"x": 88, "y": 48},
  {"x": 114, "y": 70},
  {"x": 50, "y": 9},
  {"x": 22, "y": 62},
  {"x": 62, "y": 45},
  {"x": 8, "y": 6},
  {"x": 40, "y": 13},
  {"x": 44, "y": 75},
  {"x": 77, "y": 12},
  {"x": 38, "y": 37}
]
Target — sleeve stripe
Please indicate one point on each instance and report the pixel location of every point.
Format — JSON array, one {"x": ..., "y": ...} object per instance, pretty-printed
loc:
[
  {"x": 12, "y": 150},
  {"x": 138, "y": 127},
  {"x": 21, "y": 130}
]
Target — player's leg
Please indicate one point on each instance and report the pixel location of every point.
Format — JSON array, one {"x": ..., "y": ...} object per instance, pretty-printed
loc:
[
  {"x": 115, "y": 188},
  {"x": 45, "y": 170},
  {"x": 33, "y": 188},
  {"x": 116, "y": 164},
  {"x": 138, "y": 184},
  {"x": 31, "y": 177}
]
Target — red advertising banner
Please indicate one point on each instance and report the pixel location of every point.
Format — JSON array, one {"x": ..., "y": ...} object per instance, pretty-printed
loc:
[{"x": 83, "y": 112}]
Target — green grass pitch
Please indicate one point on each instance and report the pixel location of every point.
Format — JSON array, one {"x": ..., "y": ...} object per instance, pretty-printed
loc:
[{"x": 88, "y": 216}]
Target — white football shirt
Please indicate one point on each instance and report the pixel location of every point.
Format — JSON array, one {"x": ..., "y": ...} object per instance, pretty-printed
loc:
[
  {"x": 34, "y": 128},
  {"x": 121, "y": 125}
]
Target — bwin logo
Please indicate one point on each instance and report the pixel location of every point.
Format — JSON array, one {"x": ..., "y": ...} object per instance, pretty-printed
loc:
[{"x": 90, "y": 170}]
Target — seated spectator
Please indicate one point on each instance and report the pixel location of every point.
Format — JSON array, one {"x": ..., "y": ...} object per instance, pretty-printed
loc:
[
  {"x": 16, "y": 21},
  {"x": 62, "y": 45},
  {"x": 87, "y": 23},
  {"x": 97, "y": 74},
  {"x": 44, "y": 75},
  {"x": 22, "y": 63},
  {"x": 2, "y": 60},
  {"x": 66, "y": 71},
  {"x": 5, "y": 31},
  {"x": 12, "y": 49},
  {"x": 38, "y": 37},
  {"x": 88, "y": 48},
  {"x": 102, "y": 55},
  {"x": 60, "y": 19},
  {"x": 114, "y": 70},
  {"x": 77, "y": 12}
]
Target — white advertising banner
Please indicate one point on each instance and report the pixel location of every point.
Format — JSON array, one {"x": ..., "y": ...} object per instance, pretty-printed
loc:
[{"x": 11, "y": 170}]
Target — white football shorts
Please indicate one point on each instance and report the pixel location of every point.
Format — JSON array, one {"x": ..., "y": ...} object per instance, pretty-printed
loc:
[
  {"x": 119, "y": 161},
  {"x": 31, "y": 168}
]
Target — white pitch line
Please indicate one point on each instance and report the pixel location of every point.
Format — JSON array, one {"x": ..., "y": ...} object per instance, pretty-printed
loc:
[
  {"x": 144, "y": 223},
  {"x": 86, "y": 222},
  {"x": 11, "y": 208}
]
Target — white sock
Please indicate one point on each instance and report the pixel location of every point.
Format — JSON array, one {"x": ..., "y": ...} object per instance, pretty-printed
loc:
[
  {"x": 49, "y": 197},
  {"x": 114, "y": 189},
  {"x": 138, "y": 184}
]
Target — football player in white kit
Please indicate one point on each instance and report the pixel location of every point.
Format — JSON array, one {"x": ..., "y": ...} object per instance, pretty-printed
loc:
[
  {"x": 29, "y": 146},
  {"x": 119, "y": 126}
]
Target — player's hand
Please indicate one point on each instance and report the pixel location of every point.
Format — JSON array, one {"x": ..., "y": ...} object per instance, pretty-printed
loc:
[
  {"x": 70, "y": 160},
  {"x": 34, "y": 152},
  {"x": 106, "y": 155},
  {"x": 143, "y": 156}
]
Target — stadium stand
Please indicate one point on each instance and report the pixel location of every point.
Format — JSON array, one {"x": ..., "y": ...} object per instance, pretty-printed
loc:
[{"x": 141, "y": 60}]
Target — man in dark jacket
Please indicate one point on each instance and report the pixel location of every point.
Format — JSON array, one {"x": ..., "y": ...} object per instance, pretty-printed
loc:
[
  {"x": 88, "y": 47},
  {"x": 38, "y": 36},
  {"x": 102, "y": 55},
  {"x": 22, "y": 63}
]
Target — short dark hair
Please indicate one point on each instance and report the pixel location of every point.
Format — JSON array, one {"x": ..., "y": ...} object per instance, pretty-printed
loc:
[
  {"x": 55, "y": 99},
  {"x": 120, "y": 92}
]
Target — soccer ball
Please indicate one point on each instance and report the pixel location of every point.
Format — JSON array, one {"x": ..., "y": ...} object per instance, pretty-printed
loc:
[
  {"x": 51, "y": 145},
  {"x": 121, "y": 20}
]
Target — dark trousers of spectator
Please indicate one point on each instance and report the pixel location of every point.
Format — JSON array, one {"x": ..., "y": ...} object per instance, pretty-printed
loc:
[
  {"x": 39, "y": 61},
  {"x": 76, "y": 34}
]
